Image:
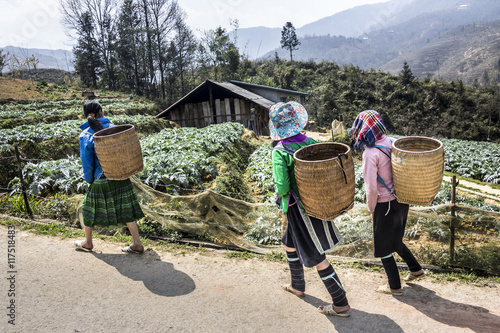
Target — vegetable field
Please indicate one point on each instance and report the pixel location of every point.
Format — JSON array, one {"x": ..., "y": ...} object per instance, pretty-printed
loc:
[{"x": 219, "y": 158}]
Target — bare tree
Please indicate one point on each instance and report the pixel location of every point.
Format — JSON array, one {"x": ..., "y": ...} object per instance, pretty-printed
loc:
[
  {"x": 164, "y": 14},
  {"x": 185, "y": 48}
]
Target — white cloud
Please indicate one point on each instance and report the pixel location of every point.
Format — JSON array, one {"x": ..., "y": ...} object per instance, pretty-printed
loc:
[{"x": 32, "y": 24}]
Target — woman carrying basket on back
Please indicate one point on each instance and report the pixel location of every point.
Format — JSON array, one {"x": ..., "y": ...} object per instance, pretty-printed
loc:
[
  {"x": 388, "y": 215},
  {"x": 107, "y": 203},
  {"x": 306, "y": 238}
]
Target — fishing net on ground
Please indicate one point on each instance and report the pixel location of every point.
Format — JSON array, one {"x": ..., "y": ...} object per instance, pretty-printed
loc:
[
  {"x": 258, "y": 227},
  {"x": 206, "y": 213}
]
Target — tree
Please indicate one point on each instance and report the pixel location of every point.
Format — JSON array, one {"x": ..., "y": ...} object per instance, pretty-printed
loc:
[
  {"x": 87, "y": 60},
  {"x": 289, "y": 40},
  {"x": 183, "y": 48},
  {"x": 223, "y": 54},
  {"x": 406, "y": 74},
  {"x": 103, "y": 16},
  {"x": 164, "y": 14},
  {"x": 3, "y": 60},
  {"x": 129, "y": 30}
]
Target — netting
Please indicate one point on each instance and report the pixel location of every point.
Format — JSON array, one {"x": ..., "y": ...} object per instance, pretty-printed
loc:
[
  {"x": 258, "y": 227},
  {"x": 206, "y": 213}
]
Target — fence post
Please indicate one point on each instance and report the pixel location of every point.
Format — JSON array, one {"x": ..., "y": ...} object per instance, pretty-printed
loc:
[
  {"x": 454, "y": 184},
  {"x": 23, "y": 188}
]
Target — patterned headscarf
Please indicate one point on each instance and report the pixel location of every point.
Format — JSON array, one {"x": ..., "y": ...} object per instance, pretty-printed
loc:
[{"x": 366, "y": 129}]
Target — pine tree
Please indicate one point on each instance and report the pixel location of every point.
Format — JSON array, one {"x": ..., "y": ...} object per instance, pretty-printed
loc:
[
  {"x": 87, "y": 61},
  {"x": 289, "y": 40},
  {"x": 406, "y": 74}
]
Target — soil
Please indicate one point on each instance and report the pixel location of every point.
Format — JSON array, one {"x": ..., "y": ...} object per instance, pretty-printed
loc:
[{"x": 61, "y": 289}]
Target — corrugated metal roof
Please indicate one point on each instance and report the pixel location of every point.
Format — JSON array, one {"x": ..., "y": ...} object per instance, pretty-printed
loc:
[
  {"x": 293, "y": 92},
  {"x": 247, "y": 94},
  {"x": 227, "y": 86}
]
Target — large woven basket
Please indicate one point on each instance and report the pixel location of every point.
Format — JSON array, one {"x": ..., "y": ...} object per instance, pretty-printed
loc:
[
  {"x": 325, "y": 177},
  {"x": 417, "y": 168},
  {"x": 119, "y": 151}
]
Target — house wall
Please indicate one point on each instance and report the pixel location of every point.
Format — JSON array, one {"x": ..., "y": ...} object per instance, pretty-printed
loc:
[{"x": 251, "y": 115}]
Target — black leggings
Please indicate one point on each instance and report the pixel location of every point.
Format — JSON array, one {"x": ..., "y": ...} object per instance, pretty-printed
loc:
[{"x": 391, "y": 269}]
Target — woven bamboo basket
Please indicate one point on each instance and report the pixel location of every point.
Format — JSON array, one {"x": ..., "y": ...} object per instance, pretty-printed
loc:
[
  {"x": 417, "y": 169},
  {"x": 325, "y": 177},
  {"x": 119, "y": 151}
]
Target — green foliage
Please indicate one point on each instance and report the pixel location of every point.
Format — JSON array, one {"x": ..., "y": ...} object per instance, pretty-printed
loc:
[
  {"x": 56, "y": 207},
  {"x": 260, "y": 168},
  {"x": 477, "y": 160},
  {"x": 183, "y": 157},
  {"x": 233, "y": 184},
  {"x": 427, "y": 108},
  {"x": 266, "y": 229},
  {"x": 65, "y": 175},
  {"x": 63, "y": 129}
]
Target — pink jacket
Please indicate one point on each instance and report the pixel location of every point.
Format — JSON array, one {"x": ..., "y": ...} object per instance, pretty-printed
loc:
[{"x": 374, "y": 161}]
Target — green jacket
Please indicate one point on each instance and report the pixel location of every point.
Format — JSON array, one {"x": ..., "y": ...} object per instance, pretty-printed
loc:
[{"x": 284, "y": 170}]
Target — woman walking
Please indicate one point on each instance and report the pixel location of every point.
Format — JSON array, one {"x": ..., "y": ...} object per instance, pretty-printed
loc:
[
  {"x": 306, "y": 238},
  {"x": 388, "y": 215},
  {"x": 107, "y": 203}
]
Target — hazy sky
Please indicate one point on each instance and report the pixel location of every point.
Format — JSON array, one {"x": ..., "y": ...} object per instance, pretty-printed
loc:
[{"x": 37, "y": 23}]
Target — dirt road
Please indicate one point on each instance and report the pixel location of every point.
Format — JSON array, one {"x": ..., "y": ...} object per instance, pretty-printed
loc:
[{"x": 60, "y": 289}]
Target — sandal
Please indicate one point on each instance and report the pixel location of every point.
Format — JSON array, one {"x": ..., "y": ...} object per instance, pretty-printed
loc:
[
  {"x": 329, "y": 311},
  {"x": 412, "y": 277},
  {"x": 385, "y": 289},
  {"x": 288, "y": 287},
  {"x": 129, "y": 249},
  {"x": 79, "y": 246}
]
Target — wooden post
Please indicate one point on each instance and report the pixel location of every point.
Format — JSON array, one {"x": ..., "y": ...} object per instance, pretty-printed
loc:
[
  {"x": 212, "y": 106},
  {"x": 23, "y": 188},
  {"x": 454, "y": 184}
]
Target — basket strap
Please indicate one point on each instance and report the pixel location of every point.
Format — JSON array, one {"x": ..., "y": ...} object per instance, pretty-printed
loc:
[
  {"x": 378, "y": 176},
  {"x": 341, "y": 165}
]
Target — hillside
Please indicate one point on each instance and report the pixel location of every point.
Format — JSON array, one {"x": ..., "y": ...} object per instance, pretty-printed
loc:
[
  {"x": 18, "y": 90},
  {"x": 57, "y": 59},
  {"x": 411, "y": 20},
  {"x": 470, "y": 53}
]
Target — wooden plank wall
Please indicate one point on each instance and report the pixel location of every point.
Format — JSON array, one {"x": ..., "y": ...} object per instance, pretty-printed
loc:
[{"x": 251, "y": 115}]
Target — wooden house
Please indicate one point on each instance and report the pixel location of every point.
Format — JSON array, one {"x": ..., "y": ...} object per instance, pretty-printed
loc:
[{"x": 215, "y": 102}]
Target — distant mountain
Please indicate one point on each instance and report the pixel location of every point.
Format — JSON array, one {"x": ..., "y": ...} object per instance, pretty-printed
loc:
[
  {"x": 255, "y": 42},
  {"x": 470, "y": 53},
  {"x": 56, "y": 59},
  {"x": 413, "y": 37}
]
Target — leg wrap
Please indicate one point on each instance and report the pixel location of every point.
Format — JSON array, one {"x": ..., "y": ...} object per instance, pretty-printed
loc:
[
  {"x": 391, "y": 269},
  {"x": 333, "y": 285},
  {"x": 296, "y": 271}
]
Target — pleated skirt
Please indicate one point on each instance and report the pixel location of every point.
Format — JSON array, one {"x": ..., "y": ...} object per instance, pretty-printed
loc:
[
  {"x": 110, "y": 204},
  {"x": 311, "y": 243}
]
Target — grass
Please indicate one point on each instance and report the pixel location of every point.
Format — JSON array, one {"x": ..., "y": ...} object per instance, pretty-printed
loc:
[{"x": 475, "y": 181}]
